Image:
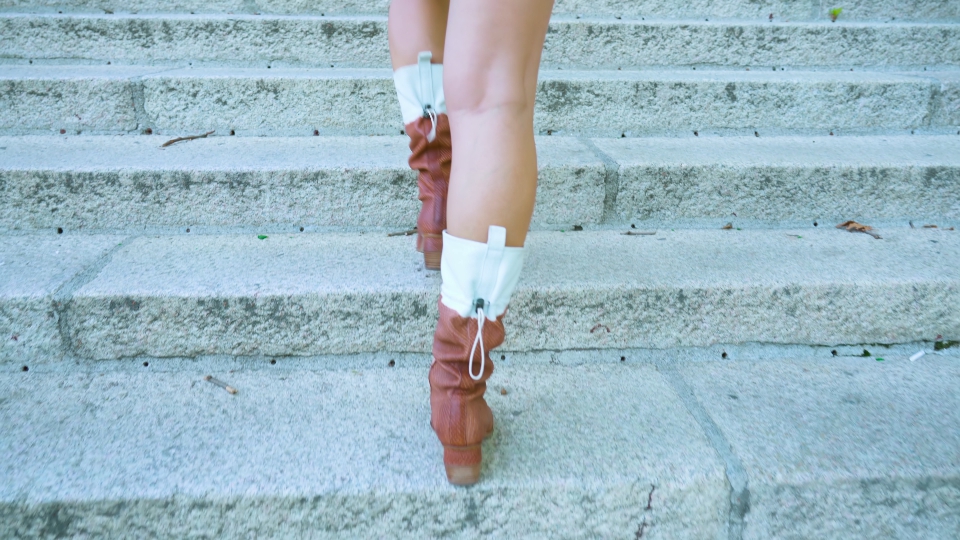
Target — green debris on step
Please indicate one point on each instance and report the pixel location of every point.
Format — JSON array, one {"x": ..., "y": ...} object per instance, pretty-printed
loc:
[
  {"x": 941, "y": 345},
  {"x": 262, "y": 236},
  {"x": 866, "y": 354}
]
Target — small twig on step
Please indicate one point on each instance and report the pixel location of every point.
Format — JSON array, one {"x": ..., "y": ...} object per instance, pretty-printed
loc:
[
  {"x": 190, "y": 138},
  {"x": 403, "y": 233},
  {"x": 221, "y": 384},
  {"x": 639, "y": 233}
]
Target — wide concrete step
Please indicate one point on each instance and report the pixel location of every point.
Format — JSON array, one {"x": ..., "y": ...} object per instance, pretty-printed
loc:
[
  {"x": 128, "y": 184},
  {"x": 782, "y": 10},
  {"x": 798, "y": 447},
  {"x": 361, "y": 41},
  {"x": 114, "y": 99},
  {"x": 307, "y": 294}
]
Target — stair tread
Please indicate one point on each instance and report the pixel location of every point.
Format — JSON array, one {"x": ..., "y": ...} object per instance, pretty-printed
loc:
[{"x": 297, "y": 450}]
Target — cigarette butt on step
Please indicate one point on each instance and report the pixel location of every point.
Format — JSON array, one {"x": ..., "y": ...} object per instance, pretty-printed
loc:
[
  {"x": 221, "y": 384},
  {"x": 916, "y": 356}
]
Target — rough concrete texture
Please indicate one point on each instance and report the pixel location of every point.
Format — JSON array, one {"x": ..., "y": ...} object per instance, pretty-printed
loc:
[
  {"x": 830, "y": 179},
  {"x": 32, "y": 269},
  {"x": 74, "y": 99},
  {"x": 600, "y": 103},
  {"x": 338, "y": 453},
  {"x": 363, "y": 101},
  {"x": 129, "y": 183},
  {"x": 601, "y": 44},
  {"x": 887, "y": 10},
  {"x": 301, "y": 294},
  {"x": 238, "y": 40},
  {"x": 948, "y": 101},
  {"x": 278, "y": 102},
  {"x": 609, "y": 103},
  {"x": 313, "y": 41},
  {"x": 839, "y": 449},
  {"x": 783, "y": 10}
]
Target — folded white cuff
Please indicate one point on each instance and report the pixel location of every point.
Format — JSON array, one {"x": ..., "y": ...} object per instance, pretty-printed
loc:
[
  {"x": 475, "y": 270},
  {"x": 418, "y": 86}
]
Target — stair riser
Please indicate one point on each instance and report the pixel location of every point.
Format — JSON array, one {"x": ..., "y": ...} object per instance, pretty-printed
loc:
[
  {"x": 124, "y": 326},
  {"x": 297, "y": 103},
  {"x": 346, "y": 199},
  {"x": 308, "y": 294},
  {"x": 795, "y": 10},
  {"x": 362, "y": 42},
  {"x": 380, "y": 514},
  {"x": 226, "y": 183}
]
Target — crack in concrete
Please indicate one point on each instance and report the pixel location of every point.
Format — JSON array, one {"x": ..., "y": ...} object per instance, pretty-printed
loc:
[
  {"x": 611, "y": 181},
  {"x": 736, "y": 475},
  {"x": 63, "y": 295}
]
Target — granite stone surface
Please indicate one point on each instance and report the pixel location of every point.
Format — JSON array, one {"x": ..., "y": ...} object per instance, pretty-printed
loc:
[
  {"x": 780, "y": 179},
  {"x": 131, "y": 184},
  {"x": 246, "y": 40},
  {"x": 350, "y": 453},
  {"x": 783, "y": 10},
  {"x": 33, "y": 269},
  {"x": 303, "y": 294},
  {"x": 841, "y": 448}
]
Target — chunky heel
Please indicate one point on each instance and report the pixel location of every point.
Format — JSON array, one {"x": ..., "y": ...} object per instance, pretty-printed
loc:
[
  {"x": 431, "y": 245},
  {"x": 463, "y": 464},
  {"x": 431, "y": 259}
]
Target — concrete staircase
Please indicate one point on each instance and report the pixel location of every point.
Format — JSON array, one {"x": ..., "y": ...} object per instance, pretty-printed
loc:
[{"x": 751, "y": 381}]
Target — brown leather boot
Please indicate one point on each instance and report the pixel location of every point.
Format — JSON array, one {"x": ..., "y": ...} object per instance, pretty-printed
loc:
[
  {"x": 458, "y": 413},
  {"x": 423, "y": 107},
  {"x": 478, "y": 279},
  {"x": 432, "y": 160}
]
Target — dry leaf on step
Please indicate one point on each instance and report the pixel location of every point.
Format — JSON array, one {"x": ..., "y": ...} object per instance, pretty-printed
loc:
[{"x": 853, "y": 226}]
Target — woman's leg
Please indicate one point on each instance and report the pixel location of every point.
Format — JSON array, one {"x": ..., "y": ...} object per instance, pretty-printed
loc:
[
  {"x": 417, "y": 29},
  {"x": 493, "y": 54},
  {"x": 414, "y": 26}
]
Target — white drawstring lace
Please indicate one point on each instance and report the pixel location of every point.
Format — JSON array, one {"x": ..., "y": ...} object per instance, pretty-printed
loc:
[
  {"x": 479, "y": 339},
  {"x": 428, "y": 111}
]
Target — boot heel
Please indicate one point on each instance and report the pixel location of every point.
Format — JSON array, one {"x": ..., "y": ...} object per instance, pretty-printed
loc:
[
  {"x": 431, "y": 259},
  {"x": 462, "y": 464}
]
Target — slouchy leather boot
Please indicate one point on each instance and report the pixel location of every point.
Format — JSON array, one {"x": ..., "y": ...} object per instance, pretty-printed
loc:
[
  {"x": 420, "y": 90},
  {"x": 478, "y": 280}
]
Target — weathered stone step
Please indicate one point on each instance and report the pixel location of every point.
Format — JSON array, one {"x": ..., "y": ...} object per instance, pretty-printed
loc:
[
  {"x": 798, "y": 447},
  {"x": 310, "y": 294},
  {"x": 128, "y": 184},
  {"x": 114, "y": 99},
  {"x": 783, "y": 10},
  {"x": 361, "y": 41}
]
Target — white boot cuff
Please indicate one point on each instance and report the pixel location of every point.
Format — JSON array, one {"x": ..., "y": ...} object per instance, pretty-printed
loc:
[
  {"x": 419, "y": 86},
  {"x": 473, "y": 270}
]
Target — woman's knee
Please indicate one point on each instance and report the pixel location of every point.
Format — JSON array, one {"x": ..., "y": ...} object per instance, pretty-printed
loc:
[{"x": 487, "y": 91}]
